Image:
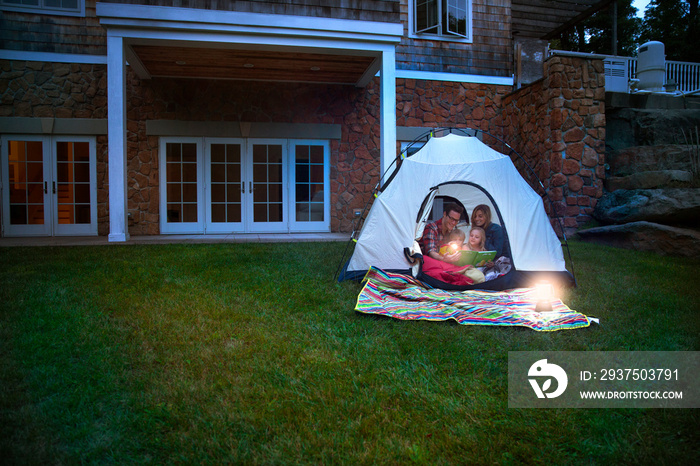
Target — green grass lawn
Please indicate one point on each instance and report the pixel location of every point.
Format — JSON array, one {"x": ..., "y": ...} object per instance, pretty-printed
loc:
[{"x": 240, "y": 353}]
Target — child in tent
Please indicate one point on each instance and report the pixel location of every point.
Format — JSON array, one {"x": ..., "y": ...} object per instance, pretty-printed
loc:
[
  {"x": 451, "y": 273},
  {"x": 477, "y": 242},
  {"x": 453, "y": 242},
  {"x": 477, "y": 239}
]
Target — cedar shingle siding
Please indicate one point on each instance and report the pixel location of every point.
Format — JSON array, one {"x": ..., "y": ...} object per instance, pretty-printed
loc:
[
  {"x": 84, "y": 35},
  {"x": 364, "y": 10},
  {"x": 33, "y": 32},
  {"x": 490, "y": 52}
]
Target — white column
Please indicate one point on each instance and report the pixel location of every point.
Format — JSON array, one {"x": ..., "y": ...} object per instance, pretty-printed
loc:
[
  {"x": 116, "y": 134},
  {"x": 387, "y": 108}
]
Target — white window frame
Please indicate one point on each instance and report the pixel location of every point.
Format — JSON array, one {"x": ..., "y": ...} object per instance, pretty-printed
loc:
[
  {"x": 229, "y": 227},
  {"x": 50, "y": 227},
  {"x": 310, "y": 226},
  {"x": 181, "y": 227},
  {"x": 443, "y": 34},
  {"x": 204, "y": 225},
  {"x": 40, "y": 7},
  {"x": 266, "y": 227}
]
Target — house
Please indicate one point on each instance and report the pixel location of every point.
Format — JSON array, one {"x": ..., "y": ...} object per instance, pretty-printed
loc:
[{"x": 142, "y": 117}]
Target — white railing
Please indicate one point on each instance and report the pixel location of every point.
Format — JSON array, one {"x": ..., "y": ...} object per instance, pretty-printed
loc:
[
  {"x": 685, "y": 75},
  {"x": 620, "y": 70}
]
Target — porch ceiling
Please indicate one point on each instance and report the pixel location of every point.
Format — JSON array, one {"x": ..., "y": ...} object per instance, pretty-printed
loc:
[
  {"x": 546, "y": 19},
  {"x": 532, "y": 19},
  {"x": 258, "y": 65}
]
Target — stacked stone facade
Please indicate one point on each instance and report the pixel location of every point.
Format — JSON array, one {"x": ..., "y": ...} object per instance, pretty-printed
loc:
[
  {"x": 354, "y": 158},
  {"x": 449, "y": 104},
  {"x": 60, "y": 90},
  {"x": 558, "y": 125}
]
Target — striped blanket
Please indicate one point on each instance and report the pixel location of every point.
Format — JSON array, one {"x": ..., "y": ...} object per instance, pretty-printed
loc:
[{"x": 403, "y": 297}]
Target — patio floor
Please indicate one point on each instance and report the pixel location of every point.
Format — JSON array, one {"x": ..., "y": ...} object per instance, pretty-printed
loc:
[{"x": 169, "y": 239}]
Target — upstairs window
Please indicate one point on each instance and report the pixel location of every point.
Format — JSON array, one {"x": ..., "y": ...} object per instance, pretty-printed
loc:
[
  {"x": 448, "y": 19},
  {"x": 55, "y": 7}
]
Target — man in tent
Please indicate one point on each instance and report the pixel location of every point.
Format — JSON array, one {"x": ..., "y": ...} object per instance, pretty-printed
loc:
[{"x": 435, "y": 232}]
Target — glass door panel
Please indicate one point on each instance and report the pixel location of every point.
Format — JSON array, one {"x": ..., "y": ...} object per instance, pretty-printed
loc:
[
  {"x": 181, "y": 178},
  {"x": 75, "y": 190},
  {"x": 224, "y": 174},
  {"x": 310, "y": 178},
  {"x": 26, "y": 180},
  {"x": 309, "y": 183},
  {"x": 49, "y": 185},
  {"x": 181, "y": 190},
  {"x": 267, "y": 187},
  {"x": 239, "y": 185}
]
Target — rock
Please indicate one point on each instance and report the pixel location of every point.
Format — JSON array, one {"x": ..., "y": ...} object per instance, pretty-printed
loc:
[
  {"x": 673, "y": 206},
  {"x": 650, "y": 180},
  {"x": 646, "y": 236},
  {"x": 648, "y": 127},
  {"x": 635, "y": 159}
]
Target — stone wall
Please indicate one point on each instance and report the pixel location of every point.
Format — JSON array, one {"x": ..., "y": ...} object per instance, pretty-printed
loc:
[
  {"x": 36, "y": 89},
  {"x": 558, "y": 125},
  {"x": 354, "y": 158},
  {"x": 60, "y": 90},
  {"x": 437, "y": 103}
]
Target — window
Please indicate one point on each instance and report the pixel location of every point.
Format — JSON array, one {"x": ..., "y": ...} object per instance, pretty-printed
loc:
[
  {"x": 60, "y": 7},
  {"x": 73, "y": 183},
  {"x": 236, "y": 185},
  {"x": 49, "y": 185},
  {"x": 309, "y": 182},
  {"x": 182, "y": 179},
  {"x": 226, "y": 183},
  {"x": 449, "y": 19}
]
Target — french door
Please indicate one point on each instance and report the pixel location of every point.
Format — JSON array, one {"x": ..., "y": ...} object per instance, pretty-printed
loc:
[
  {"x": 228, "y": 185},
  {"x": 49, "y": 186}
]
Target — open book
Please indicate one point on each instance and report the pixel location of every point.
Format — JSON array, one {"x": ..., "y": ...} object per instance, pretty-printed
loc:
[{"x": 475, "y": 258}]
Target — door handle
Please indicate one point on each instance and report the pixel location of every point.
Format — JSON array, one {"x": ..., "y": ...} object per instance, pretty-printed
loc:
[
  {"x": 250, "y": 186},
  {"x": 54, "y": 187},
  {"x": 46, "y": 187},
  {"x": 243, "y": 187}
]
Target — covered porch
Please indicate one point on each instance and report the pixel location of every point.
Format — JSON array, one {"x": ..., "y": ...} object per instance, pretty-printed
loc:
[{"x": 195, "y": 44}]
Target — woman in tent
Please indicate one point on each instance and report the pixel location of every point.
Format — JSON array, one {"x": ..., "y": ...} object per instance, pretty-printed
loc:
[{"x": 495, "y": 235}]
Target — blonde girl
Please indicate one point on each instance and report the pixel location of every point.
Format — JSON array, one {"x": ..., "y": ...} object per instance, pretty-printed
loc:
[{"x": 477, "y": 239}]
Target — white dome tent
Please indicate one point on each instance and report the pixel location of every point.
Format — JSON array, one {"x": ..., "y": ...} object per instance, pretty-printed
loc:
[{"x": 464, "y": 168}]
